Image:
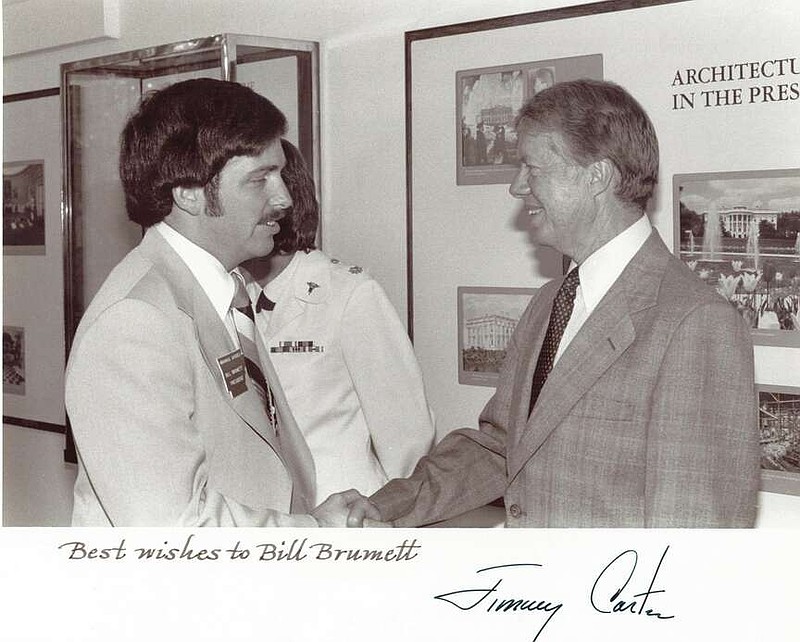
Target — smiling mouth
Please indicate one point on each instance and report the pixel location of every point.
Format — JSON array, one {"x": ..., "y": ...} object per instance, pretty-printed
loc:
[
  {"x": 533, "y": 211},
  {"x": 271, "y": 225}
]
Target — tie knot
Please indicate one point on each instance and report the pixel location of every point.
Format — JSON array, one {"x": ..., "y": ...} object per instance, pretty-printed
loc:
[
  {"x": 572, "y": 281},
  {"x": 240, "y": 297}
]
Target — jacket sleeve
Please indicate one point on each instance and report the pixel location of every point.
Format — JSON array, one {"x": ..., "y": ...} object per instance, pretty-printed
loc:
[
  {"x": 466, "y": 469},
  {"x": 130, "y": 399},
  {"x": 387, "y": 380},
  {"x": 703, "y": 453}
]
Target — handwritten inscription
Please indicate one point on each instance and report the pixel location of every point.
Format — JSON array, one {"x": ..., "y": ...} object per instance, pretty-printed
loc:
[{"x": 295, "y": 550}]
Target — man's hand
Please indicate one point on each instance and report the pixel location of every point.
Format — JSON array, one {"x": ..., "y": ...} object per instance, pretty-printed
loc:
[
  {"x": 349, "y": 508},
  {"x": 332, "y": 513},
  {"x": 364, "y": 513}
]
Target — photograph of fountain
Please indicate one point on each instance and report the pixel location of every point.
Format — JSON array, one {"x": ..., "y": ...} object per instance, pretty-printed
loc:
[{"x": 740, "y": 232}]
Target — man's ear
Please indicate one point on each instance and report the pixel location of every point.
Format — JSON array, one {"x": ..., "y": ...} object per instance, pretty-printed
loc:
[
  {"x": 191, "y": 200},
  {"x": 601, "y": 176}
]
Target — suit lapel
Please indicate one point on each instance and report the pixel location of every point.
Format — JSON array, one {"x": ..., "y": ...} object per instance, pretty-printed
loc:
[
  {"x": 212, "y": 335},
  {"x": 604, "y": 337}
]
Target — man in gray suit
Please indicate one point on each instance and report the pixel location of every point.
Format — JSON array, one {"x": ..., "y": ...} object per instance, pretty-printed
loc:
[
  {"x": 626, "y": 397},
  {"x": 177, "y": 414}
]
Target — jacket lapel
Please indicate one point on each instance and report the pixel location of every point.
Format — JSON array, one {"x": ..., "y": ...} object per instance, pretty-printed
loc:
[
  {"x": 212, "y": 335},
  {"x": 604, "y": 337}
]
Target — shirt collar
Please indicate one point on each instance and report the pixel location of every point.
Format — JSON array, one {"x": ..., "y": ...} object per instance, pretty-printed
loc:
[
  {"x": 602, "y": 268},
  {"x": 215, "y": 280}
]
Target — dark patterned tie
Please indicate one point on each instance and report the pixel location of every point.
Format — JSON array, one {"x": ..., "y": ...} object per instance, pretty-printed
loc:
[
  {"x": 243, "y": 319},
  {"x": 559, "y": 316}
]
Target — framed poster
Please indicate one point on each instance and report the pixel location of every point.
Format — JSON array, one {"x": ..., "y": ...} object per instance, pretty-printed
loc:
[{"x": 33, "y": 299}]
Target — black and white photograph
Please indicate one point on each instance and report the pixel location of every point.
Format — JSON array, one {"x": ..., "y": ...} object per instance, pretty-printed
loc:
[
  {"x": 401, "y": 321},
  {"x": 779, "y": 430},
  {"x": 740, "y": 233},
  {"x": 13, "y": 360},
  {"x": 487, "y": 319},
  {"x": 488, "y": 100},
  {"x": 23, "y": 207}
]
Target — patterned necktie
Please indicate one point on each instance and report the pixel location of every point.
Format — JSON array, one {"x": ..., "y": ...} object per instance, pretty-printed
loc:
[
  {"x": 243, "y": 319},
  {"x": 559, "y": 316}
]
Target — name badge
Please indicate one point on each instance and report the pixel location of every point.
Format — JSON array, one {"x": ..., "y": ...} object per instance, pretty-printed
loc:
[{"x": 232, "y": 367}]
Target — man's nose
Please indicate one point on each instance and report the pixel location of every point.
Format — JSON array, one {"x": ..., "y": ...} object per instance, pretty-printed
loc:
[
  {"x": 519, "y": 187},
  {"x": 280, "y": 201}
]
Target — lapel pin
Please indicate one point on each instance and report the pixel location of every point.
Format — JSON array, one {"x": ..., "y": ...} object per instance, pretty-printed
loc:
[{"x": 312, "y": 286}]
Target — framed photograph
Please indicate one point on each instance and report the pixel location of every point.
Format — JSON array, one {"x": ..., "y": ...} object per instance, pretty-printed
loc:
[
  {"x": 487, "y": 318},
  {"x": 23, "y": 207},
  {"x": 779, "y": 430},
  {"x": 13, "y": 360},
  {"x": 740, "y": 232},
  {"x": 487, "y": 103}
]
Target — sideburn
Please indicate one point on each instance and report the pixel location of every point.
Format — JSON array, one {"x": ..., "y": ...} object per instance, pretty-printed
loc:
[{"x": 211, "y": 193}]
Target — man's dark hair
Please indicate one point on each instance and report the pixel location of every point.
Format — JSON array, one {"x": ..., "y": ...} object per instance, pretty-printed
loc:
[
  {"x": 183, "y": 135},
  {"x": 299, "y": 224},
  {"x": 600, "y": 120}
]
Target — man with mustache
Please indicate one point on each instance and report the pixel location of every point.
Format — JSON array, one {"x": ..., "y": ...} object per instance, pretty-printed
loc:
[{"x": 178, "y": 419}]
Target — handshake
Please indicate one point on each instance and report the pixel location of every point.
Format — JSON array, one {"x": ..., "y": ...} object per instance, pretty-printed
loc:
[{"x": 349, "y": 508}]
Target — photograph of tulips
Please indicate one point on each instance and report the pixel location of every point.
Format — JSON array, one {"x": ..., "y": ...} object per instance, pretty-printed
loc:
[
  {"x": 779, "y": 430},
  {"x": 740, "y": 232}
]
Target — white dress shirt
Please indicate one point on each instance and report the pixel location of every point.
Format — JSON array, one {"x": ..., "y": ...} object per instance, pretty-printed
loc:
[
  {"x": 599, "y": 272},
  {"x": 215, "y": 280}
]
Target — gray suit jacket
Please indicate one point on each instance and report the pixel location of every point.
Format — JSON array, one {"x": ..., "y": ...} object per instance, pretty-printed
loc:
[
  {"x": 648, "y": 418},
  {"x": 160, "y": 440}
]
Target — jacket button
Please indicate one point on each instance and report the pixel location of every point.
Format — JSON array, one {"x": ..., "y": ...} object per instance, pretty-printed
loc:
[{"x": 514, "y": 510}]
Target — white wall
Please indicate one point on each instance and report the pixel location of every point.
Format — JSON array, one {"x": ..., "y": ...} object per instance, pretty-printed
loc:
[
  {"x": 37, "y": 484},
  {"x": 363, "y": 131}
]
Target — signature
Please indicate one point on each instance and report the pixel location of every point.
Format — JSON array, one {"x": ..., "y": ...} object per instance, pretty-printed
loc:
[
  {"x": 490, "y": 598},
  {"x": 617, "y": 589},
  {"x": 607, "y": 597}
]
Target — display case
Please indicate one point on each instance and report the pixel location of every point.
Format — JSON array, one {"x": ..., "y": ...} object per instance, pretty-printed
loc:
[{"x": 98, "y": 95}]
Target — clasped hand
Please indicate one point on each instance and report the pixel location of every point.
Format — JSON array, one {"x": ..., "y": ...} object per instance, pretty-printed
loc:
[{"x": 349, "y": 508}]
